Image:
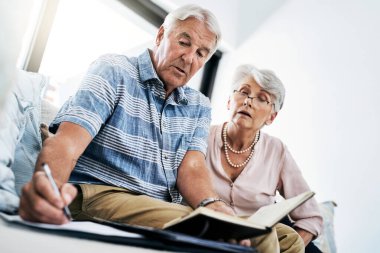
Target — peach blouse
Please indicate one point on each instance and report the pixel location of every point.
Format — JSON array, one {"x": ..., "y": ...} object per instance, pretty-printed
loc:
[{"x": 271, "y": 168}]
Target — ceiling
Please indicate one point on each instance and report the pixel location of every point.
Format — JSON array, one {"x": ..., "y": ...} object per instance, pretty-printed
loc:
[{"x": 238, "y": 19}]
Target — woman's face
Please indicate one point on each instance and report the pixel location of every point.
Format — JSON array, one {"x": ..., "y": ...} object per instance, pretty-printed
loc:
[{"x": 251, "y": 106}]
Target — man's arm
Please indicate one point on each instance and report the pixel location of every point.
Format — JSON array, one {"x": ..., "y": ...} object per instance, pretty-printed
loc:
[
  {"x": 38, "y": 201},
  {"x": 194, "y": 182}
]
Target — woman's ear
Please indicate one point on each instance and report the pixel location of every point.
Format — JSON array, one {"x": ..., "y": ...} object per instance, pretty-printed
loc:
[
  {"x": 271, "y": 118},
  {"x": 229, "y": 103}
]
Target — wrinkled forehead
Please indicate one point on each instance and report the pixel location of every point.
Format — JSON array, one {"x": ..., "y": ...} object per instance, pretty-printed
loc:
[
  {"x": 250, "y": 83},
  {"x": 196, "y": 30},
  {"x": 246, "y": 81}
]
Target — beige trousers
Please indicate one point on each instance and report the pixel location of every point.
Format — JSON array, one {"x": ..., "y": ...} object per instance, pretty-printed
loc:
[{"x": 120, "y": 205}]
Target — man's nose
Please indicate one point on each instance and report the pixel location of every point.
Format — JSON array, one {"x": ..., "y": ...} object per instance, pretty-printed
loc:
[{"x": 188, "y": 56}]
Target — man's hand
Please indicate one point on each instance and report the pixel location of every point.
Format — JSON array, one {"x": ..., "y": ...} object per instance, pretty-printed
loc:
[
  {"x": 38, "y": 200},
  {"x": 220, "y": 206},
  {"x": 193, "y": 174},
  {"x": 223, "y": 208},
  {"x": 40, "y": 203}
]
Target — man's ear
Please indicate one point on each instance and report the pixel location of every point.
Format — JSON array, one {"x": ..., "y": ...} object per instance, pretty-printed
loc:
[
  {"x": 160, "y": 35},
  {"x": 271, "y": 118},
  {"x": 229, "y": 103}
]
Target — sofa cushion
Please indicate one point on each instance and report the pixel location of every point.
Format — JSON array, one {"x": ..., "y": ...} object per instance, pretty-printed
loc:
[
  {"x": 20, "y": 140},
  {"x": 326, "y": 240}
]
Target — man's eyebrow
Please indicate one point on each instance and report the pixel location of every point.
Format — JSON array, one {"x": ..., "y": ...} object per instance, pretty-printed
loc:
[{"x": 187, "y": 36}]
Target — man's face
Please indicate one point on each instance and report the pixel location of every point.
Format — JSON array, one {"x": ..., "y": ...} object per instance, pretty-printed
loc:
[{"x": 181, "y": 52}]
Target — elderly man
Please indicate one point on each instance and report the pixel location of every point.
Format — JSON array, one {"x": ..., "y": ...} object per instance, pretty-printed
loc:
[{"x": 132, "y": 141}]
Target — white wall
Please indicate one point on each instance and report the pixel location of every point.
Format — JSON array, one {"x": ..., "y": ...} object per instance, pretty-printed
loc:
[
  {"x": 327, "y": 54},
  {"x": 14, "y": 17}
]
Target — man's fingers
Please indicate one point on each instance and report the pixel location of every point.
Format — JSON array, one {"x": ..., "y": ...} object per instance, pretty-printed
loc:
[
  {"x": 232, "y": 241},
  {"x": 24, "y": 210},
  {"x": 43, "y": 211},
  {"x": 68, "y": 192},
  {"x": 43, "y": 188},
  {"x": 40, "y": 203},
  {"x": 245, "y": 242}
]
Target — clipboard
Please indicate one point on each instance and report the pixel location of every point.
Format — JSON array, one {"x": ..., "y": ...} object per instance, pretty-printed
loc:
[{"x": 139, "y": 236}]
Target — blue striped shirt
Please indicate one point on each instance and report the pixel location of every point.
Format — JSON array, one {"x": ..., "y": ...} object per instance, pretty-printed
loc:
[{"x": 139, "y": 138}]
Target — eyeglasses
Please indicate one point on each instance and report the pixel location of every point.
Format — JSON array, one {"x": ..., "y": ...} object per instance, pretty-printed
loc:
[{"x": 257, "y": 101}]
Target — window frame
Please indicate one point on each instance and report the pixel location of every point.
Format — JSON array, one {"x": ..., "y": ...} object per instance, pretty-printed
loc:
[{"x": 148, "y": 10}]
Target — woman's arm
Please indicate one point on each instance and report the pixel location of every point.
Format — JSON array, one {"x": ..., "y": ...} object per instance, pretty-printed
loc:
[
  {"x": 305, "y": 235},
  {"x": 307, "y": 217}
]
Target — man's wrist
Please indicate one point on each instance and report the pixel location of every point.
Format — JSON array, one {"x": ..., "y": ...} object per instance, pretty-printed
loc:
[{"x": 208, "y": 201}]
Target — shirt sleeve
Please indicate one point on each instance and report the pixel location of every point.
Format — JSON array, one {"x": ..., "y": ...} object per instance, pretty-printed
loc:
[
  {"x": 307, "y": 216},
  {"x": 95, "y": 99},
  {"x": 200, "y": 136}
]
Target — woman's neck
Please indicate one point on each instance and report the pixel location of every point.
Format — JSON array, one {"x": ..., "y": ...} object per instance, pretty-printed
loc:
[{"x": 239, "y": 139}]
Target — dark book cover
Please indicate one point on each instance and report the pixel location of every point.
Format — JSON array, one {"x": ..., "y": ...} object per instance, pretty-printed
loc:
[{"x": 214, "y": 228}]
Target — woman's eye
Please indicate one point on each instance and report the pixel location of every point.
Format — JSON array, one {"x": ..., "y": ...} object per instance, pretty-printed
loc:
[{"x": 263, "y": 99}]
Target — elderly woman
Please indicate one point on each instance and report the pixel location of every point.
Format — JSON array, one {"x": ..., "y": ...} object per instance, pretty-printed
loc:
[{"x": 247, "y": 165}]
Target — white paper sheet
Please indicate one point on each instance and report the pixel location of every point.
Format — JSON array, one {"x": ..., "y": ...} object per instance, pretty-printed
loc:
[{"x": 79, "y": 226}]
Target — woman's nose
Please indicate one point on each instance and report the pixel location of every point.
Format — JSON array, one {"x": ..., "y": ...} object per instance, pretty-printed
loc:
[{"x": 248, "y": 102}]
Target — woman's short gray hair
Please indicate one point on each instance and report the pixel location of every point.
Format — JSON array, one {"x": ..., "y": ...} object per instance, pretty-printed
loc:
[
  {"x": 195, "y": 11},
  {"x": 266, "y": 79}
]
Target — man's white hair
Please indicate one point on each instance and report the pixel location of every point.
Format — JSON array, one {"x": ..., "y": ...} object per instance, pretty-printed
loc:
[{"x": 194, "y": 11}]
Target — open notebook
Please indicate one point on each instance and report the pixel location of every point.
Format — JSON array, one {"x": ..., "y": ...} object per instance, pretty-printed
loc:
[{"x": 206, "y": 223}]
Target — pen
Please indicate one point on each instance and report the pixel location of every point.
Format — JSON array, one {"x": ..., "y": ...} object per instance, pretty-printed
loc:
[{"x": 47, "y": 170}]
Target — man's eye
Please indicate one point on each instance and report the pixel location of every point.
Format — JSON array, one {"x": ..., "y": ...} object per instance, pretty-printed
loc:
[
  {"x": 200, "y": 54},
  {"x": 183, "y": 43}
]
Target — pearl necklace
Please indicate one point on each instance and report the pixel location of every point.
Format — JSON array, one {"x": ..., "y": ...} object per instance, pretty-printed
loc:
[
  {"x": 227, "y": 146},
  {"x": 240, "y": 151}
]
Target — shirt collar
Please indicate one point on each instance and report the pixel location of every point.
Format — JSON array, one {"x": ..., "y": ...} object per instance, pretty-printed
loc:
[{"x": 147, "y": 73}]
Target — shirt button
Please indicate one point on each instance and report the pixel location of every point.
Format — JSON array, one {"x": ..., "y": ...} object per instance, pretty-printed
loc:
[
  {"x": 232, "y": 185},
  {"x": 232, "y": 204},
  {"x": 166, "y": 157}
]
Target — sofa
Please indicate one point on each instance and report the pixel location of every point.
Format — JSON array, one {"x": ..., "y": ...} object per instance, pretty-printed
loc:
[{"x": 21, "y": 137}]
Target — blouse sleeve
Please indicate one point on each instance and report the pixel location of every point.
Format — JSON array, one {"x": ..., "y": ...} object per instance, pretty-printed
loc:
[{"x": 307, "y": 216}]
